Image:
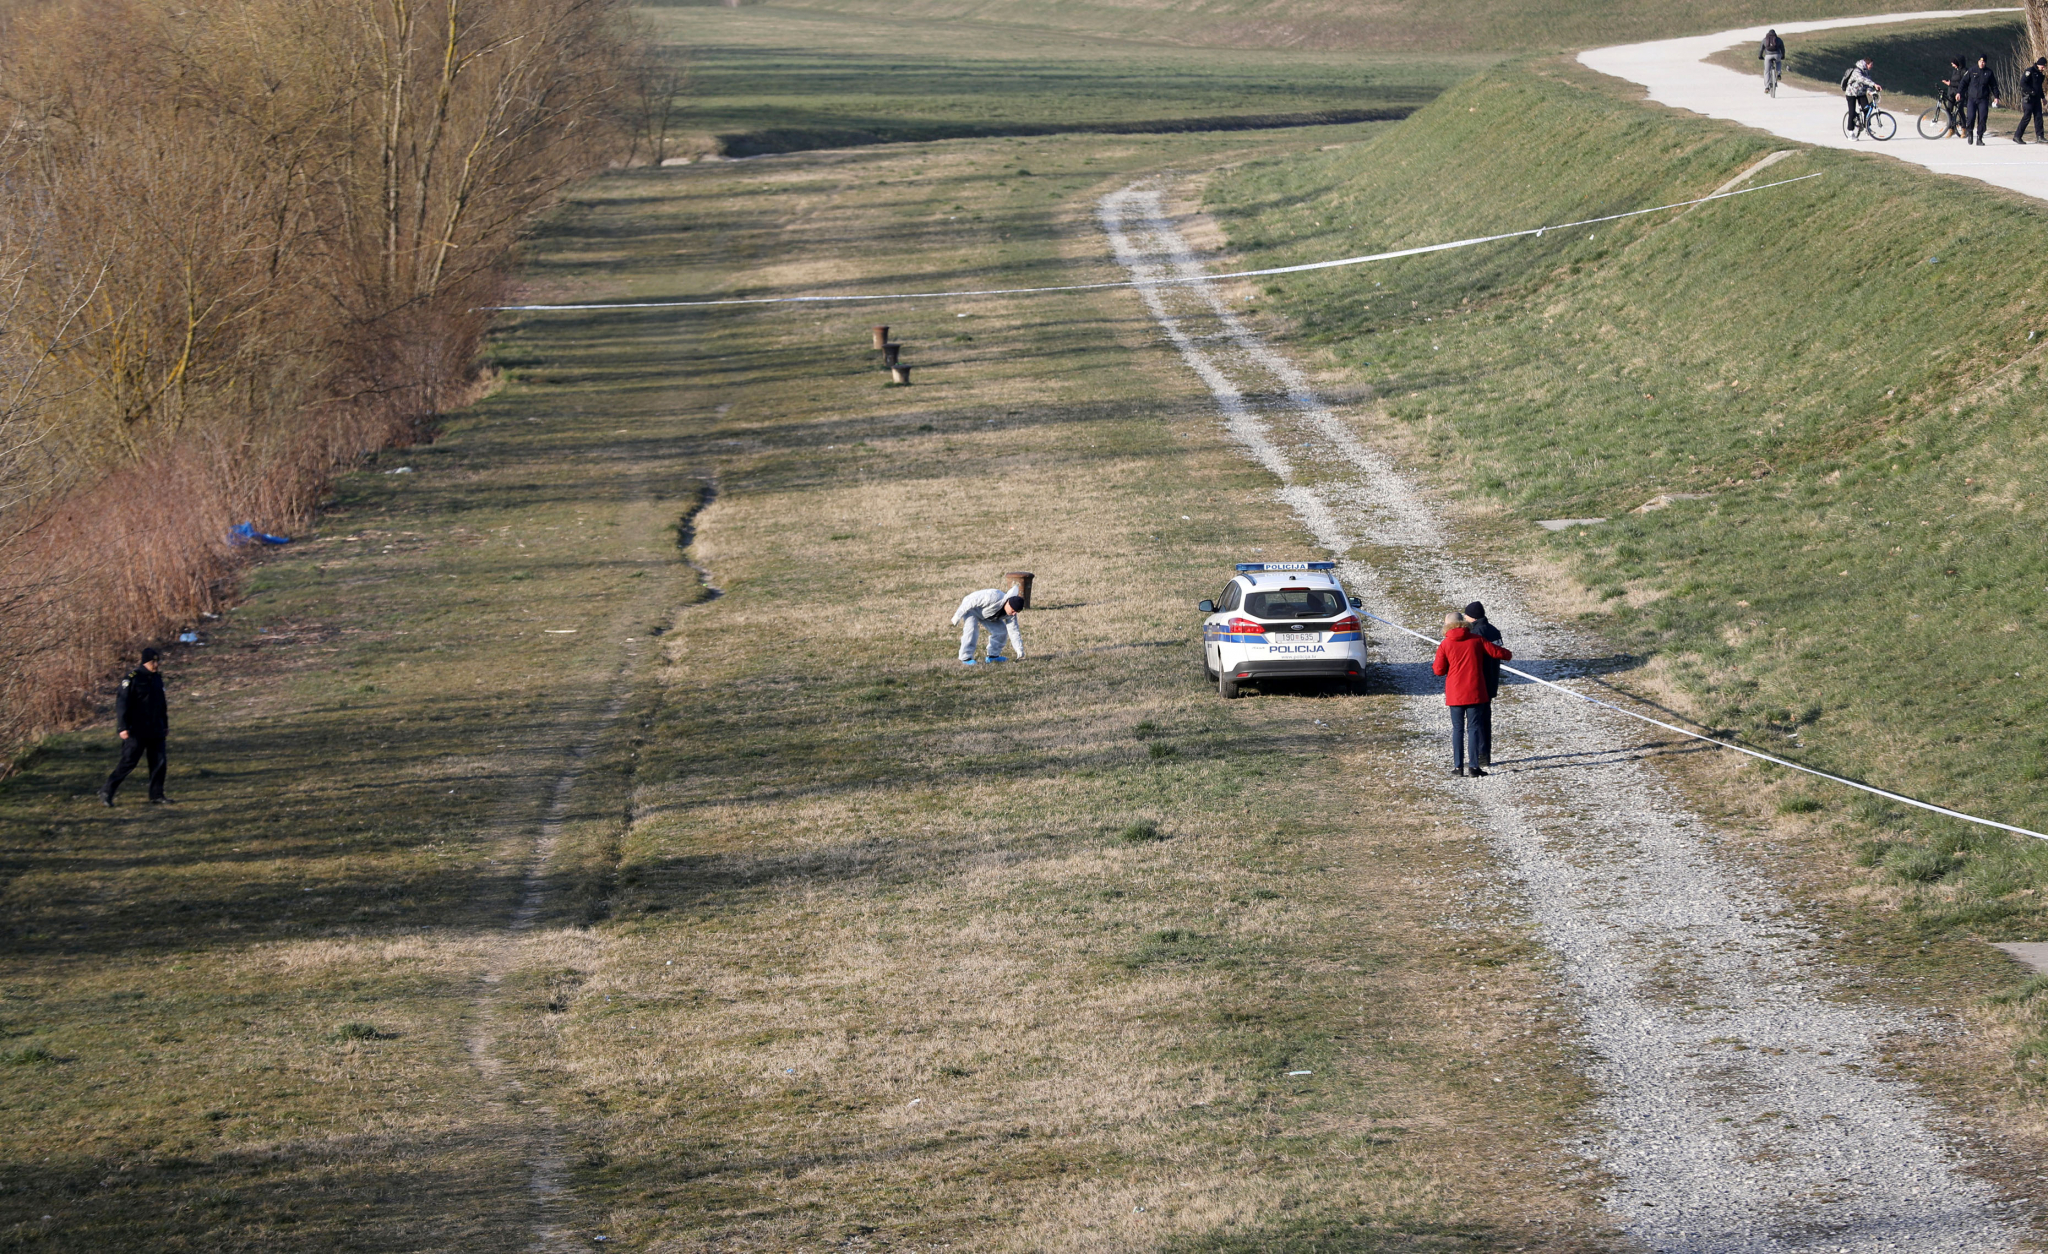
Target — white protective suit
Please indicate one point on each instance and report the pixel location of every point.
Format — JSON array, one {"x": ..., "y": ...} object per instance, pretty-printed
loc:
[{"x": 983, "y": 611}]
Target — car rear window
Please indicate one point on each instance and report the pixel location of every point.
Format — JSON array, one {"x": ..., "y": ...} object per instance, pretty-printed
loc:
[{"x": 1295, "y": 603}]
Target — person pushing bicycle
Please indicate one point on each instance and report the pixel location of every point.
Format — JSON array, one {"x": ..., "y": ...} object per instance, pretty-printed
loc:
[{"x": 1951, "y": 97}]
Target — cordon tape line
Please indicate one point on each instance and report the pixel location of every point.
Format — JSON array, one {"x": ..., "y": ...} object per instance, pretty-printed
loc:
[
  {"x": 1607, "y": 705},
  {"x": 1198, "y": 278}
]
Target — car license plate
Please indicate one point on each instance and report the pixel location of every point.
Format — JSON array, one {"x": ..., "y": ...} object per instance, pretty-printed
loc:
[{"x": 1294, "y": 637}]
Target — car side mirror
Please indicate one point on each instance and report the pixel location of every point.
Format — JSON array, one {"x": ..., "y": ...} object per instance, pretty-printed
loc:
[
  {"x": 1357, "y": 604},
  {"x": 1207, "y": 607}
]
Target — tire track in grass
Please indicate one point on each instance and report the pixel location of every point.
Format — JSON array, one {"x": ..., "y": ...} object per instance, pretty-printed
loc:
[
  {"x": 552, "y": 1215},
  {"x": 1746, "y": 1108}
]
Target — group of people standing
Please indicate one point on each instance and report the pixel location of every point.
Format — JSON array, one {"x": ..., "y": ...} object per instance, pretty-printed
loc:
[{"x": 1969, "y": 94}]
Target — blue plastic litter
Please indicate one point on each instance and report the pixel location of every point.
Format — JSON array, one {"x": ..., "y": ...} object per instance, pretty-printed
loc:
[
  {"x": 246, "y": 532},
  {"x": 188, "y": 637}
]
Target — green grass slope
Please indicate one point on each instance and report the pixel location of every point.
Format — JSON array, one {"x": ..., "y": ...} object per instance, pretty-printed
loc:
[
  {"x": 778, "y": 80},
  {"x": 1844, "y": 370},
  {"x": 1415, "y": 26}
]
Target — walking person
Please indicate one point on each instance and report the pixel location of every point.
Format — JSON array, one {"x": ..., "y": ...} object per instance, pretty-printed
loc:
[
  {"x": 142, "y": 719},
  {"x": 1476, "y": 623},
  {"x": 995, "y": 611},
  {"x": 1458, "y": 661},
  {"x": 1979, "y": 90},
  {"x": 2030, "y": 101},
  {"x": 1772, "y": 54}
]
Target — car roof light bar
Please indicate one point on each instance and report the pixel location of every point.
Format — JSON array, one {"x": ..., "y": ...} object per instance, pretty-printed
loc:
[{"x": 1244, "y": 566}]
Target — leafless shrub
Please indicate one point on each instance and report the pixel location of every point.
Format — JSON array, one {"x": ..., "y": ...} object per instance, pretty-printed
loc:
[{"x": 241, "y": 242}]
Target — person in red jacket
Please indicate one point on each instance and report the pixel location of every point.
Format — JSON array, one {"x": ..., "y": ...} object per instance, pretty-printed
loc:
[{"x": 1461, "y": 660}]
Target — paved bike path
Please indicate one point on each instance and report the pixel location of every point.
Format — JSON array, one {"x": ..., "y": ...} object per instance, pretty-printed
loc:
[{"x": 1676, "y": 74}]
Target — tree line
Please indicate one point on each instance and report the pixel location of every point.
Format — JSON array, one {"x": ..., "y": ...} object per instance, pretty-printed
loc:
[{"x": 242, "y": 243}]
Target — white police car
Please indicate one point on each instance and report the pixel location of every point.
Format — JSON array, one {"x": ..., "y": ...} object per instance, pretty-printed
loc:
[{"x": 1282, "y": 620}]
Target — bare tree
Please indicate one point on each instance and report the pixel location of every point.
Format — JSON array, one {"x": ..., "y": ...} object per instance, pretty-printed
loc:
[{"x": 241, "y": 240}]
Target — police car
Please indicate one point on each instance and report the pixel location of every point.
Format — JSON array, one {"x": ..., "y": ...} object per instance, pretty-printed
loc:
[{"x": 1282, "y": 620}]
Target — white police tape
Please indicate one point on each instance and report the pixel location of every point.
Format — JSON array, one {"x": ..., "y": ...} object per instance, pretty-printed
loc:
[
  {"x": 1197, "y": 278},
  {"x": 1607, "y": 705}
]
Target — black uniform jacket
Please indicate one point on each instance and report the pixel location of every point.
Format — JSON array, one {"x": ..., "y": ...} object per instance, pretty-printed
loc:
[
  {"x": 1977, "y": 85},
  {"x": 2030, "y": 83},
  {"x": 1489, "y": 666},
  {"x": 139, "y": 707}
]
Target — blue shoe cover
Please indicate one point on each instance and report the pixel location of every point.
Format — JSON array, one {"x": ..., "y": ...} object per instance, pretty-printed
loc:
[
  {"x": 999, "y": 659},
  {"x": 967, "y": 661}
]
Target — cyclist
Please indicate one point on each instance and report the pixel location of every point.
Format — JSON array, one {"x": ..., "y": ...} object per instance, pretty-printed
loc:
[
  {"x": 1858, "y": 88},
  {"x": 1772, "y": 54}
]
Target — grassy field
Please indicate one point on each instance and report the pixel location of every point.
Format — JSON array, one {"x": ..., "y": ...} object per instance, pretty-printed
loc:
[
  {"x": 533, "y": 873},
  {"x": 1835, "y": 382},
  {"x": 902, "y": 954}
]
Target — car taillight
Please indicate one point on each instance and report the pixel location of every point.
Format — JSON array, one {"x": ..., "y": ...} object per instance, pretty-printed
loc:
[
  {"x": 1345, "y": 624},
  {"x": 1245, "y": 627}
]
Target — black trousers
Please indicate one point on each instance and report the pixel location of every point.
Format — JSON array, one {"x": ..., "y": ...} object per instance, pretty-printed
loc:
[
  {"x": 132, "y": 750},
  {"x": 2030, "y": 108},
  {"x": 1976, "y": 117},
  {"x": 1471, "y": 735}
]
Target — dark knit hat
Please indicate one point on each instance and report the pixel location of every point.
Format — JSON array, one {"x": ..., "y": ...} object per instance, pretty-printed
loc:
[
  {"x": 149, "y": 655},
  {"x": 1014, "y": 604},
  {"x": 1475, "y": 610}
]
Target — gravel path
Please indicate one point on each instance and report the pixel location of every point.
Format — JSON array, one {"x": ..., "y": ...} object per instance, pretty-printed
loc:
[
  {"x": 1747, "y": 1110},
  {"x": 1675, "y": 72}
]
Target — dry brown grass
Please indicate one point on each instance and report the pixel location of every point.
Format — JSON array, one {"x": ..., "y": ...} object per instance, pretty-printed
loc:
[{"x": 881, "y": 969}]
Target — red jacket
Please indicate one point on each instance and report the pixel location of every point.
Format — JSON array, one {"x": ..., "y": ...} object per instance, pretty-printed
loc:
[{"x": 1458, "y": 661}]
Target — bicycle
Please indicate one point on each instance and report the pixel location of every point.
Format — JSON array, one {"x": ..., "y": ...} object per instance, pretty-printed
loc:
[
  {"x": 1940, "y": 119},
  {"x": 1874, "y": 122},
  {"x": 1772, "y": 66}
]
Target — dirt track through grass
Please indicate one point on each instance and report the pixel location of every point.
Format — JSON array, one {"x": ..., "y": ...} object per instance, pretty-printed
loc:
[
  {"x": 883, "y": 968},
  {"x": 1718, "y": 1044}
]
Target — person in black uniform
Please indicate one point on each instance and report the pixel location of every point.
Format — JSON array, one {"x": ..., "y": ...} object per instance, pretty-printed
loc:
[
  {"x": 1489, "y": 667},
  {"x": 2030, "y": 101},
  {"x": 1979, "y": 90},
  {"x": 142, "y": 717}
]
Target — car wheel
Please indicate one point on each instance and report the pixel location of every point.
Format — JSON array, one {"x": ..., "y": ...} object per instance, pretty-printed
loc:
[{"x": 1226, "y": 687}]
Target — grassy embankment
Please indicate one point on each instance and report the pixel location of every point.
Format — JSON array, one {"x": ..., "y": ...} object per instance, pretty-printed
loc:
[
  {"x": 783, "y": 80},
  {"x": 1404, "y": 26},
  {"x": 889, "y": 951},
  {"x": 1844, "y": 375}
]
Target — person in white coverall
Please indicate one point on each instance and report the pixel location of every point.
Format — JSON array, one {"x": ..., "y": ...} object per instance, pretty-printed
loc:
[{"x": 995, "y": 611}]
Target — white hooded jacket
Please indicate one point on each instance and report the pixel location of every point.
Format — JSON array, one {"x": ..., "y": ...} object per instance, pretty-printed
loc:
[{"x": 986, "y": 605}]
